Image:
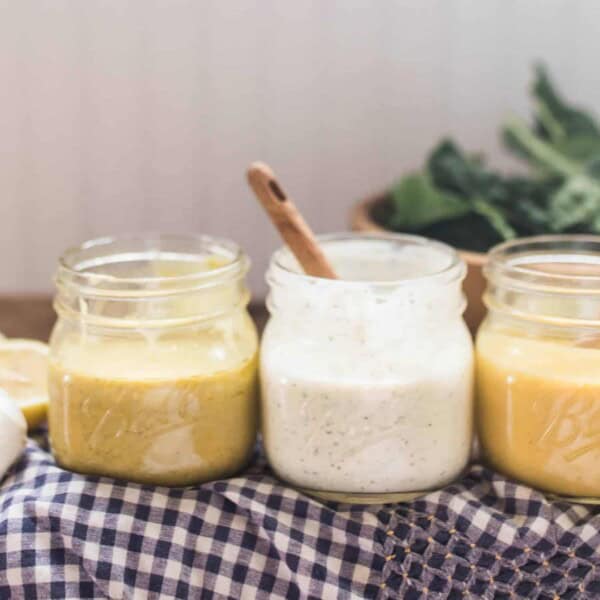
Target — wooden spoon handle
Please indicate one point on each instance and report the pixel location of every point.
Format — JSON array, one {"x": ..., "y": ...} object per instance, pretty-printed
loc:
[{"x": 291, "y": 225}]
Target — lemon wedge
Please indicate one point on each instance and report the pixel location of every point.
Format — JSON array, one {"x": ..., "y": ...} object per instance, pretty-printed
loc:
[{"x": 23, "y": 377}]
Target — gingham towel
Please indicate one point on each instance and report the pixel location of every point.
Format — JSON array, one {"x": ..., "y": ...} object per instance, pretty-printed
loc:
[{"x": 64, "y": 535}]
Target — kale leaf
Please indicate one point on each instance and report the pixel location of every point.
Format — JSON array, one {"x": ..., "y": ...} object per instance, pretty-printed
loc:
[
  {"x": 459, "y": 199},
  {"x": 574, "y": 132},
  {"x": 453, "y": 171},
  {"x": 418, "y": 203}
]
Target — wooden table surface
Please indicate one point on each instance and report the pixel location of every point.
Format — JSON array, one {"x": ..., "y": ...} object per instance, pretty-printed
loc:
[
  {"x": 26, "y": 316},
  {"x": 33, "y": 316}
]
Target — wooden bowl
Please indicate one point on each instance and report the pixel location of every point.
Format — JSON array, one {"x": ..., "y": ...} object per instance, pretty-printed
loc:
[{"x": 474, "y": 284}]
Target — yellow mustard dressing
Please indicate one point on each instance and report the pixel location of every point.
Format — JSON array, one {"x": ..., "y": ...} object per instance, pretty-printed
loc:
[
  {"x": 538, "y": 410},
  {"x": 175, "y": 431}
]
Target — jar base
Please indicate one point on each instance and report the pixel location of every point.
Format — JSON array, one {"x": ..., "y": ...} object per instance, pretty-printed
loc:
[
  {"x": 595, "y": 500},
  {"x": 363, "y": 498}
]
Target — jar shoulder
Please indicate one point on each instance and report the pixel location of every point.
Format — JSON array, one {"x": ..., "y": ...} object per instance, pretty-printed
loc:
[{"x": 222, "y": 344}]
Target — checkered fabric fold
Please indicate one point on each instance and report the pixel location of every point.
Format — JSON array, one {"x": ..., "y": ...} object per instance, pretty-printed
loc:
[{"x": 64, "y": 535}]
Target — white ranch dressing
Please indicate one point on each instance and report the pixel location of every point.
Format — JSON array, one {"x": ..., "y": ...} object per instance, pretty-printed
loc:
[{"x": 367, "y": 387}]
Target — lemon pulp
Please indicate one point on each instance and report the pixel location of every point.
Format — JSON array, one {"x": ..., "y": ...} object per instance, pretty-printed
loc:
[{"x": 23, "y": 377}]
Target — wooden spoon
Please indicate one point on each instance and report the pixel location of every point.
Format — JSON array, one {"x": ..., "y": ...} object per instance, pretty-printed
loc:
[{"x": 289, "y": 221}]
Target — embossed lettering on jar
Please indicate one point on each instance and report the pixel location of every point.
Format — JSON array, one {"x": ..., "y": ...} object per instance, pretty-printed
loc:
[{"x": 367, "y": 380}]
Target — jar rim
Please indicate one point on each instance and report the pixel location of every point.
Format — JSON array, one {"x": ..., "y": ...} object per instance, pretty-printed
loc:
[
  {"x": 76, "y": 262},
  {"x": 547, "y": 263},
  {"x": 454, "y": 269}
]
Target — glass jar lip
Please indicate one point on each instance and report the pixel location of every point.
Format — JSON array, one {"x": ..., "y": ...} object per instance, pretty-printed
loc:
[
  {"x": 512, "y": 263},
  {"x": 75, "y": 263},
  {"x": 455, "y": 269}
]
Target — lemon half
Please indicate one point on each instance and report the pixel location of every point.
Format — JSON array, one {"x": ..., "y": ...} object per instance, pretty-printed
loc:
[{"x": 24, "y": 375}]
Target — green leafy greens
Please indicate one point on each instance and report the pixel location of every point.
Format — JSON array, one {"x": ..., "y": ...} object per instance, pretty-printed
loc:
[{"x": 459, "y": 199}]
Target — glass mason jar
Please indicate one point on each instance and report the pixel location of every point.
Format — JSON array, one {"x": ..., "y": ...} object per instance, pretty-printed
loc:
[
  {"x": 538, "y": 364},
  {"x": 153, "y": 360},
  {"x": 367, "y": 379}
]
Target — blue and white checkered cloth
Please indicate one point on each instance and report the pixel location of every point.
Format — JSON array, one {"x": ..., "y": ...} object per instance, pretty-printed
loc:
[{"x": 64, "y": 535}]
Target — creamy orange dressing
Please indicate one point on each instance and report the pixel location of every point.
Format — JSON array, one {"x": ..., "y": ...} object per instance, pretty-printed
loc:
[{"x": 538, "y": 410}]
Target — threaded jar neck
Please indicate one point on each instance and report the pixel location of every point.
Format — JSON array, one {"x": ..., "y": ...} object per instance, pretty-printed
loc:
[
  {"x": 151, "y": 280},
  {"x": 404, "y": 276},
  {"x": 552, "y": 280}
]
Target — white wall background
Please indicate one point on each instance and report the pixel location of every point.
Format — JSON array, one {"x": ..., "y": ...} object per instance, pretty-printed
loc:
[{"x": 143, "y": 114}]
